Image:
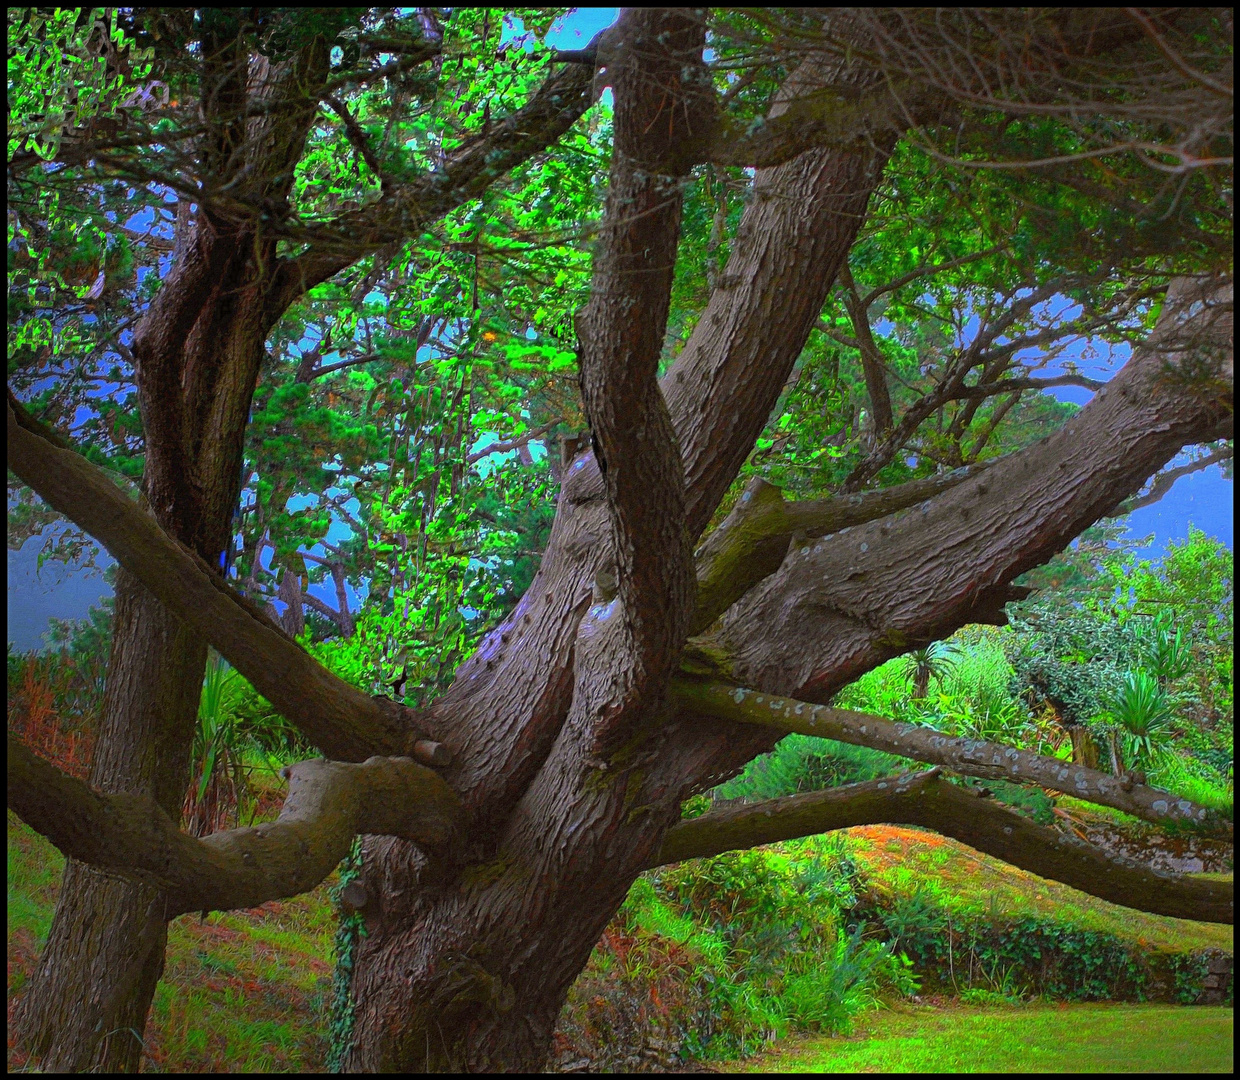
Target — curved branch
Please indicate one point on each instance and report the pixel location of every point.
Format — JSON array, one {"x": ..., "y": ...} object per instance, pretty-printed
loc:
[
  {"x": 973, "y": 757},
  {"x": 1006, "y": 386},
  {"x": 344, "y": 722},
  {"x": 656, "y": 70},
  {"x": 794, "y": 235},
  {"x": 328, "y": 803},
  {"x": 751, "y": 542},
  {"x": 1163, "y": 481},
  {"x": 836, "y": 609},
  {"x": 825, "y": 117},
  {"x": 924, "y": 799}
]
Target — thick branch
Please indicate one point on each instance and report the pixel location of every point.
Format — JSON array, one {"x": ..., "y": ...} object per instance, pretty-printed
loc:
[
  {"x": 344, "y": 722},
  {"x": 656, "y": 70},
  {"x": 751, "y": 542},
  {"x": 793, "y": 237},
  {"x": 826, "y": 117},
  {"x": 973, "y": 757},
  {"x": 329, "y": 802},
  {"x": 924, "y": 799},
  {"x": 834, "y": 610}
]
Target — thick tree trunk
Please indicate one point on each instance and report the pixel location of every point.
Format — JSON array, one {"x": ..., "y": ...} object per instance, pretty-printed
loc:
[
  {"x": 108, "y": 935},
  {"x": 89, "y": 1000},
  {"x": 468, "y": 969}
]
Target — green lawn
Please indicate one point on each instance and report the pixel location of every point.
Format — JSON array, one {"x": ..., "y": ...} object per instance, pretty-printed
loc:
[
  {"x": 1035, "y": 1038},
  {"x": 242, "y": 991}
]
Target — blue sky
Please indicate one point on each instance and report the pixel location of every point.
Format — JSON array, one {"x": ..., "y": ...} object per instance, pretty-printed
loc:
[{"x": 1204, "y": 499}]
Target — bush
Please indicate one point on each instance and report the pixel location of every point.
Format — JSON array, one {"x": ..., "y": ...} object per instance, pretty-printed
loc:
[{"x": 715, "y": 957}]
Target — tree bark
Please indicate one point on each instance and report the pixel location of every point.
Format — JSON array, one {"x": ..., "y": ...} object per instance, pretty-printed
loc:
[
  {"x": 571, "y": 770},
  {"x": 468, "y": 967},
  {"x": 108, "y": 934}
]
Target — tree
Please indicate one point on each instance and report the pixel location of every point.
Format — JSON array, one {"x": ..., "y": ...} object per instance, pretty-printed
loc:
[{"x": 505, "y": 819}]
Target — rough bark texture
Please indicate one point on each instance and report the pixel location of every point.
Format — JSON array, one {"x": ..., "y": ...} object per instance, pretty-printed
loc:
[
  {"x": 973, "y": 757},
  {"x": 106, "y": 926},
  {"x": 197, "y": 351},
  {"x": 840, "y": 606},
  {"x": 469, "y": 969},
  {"x": 569, "y": 759},
  {"x": 328, "y": 804}
]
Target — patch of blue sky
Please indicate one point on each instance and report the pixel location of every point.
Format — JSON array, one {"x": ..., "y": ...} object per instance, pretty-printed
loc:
[
  {"x": 574, "y": 30},
  {"x": 492, "y": 462}
]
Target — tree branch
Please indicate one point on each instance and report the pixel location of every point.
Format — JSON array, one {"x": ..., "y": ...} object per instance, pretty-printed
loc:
[
  {"x": 794, "y": 235},
  {"x": 406, "y": 208},
  {"x": 503, "y": 446},
  {"x": 1007, "y": 386},
  {"x": 328, "y": 803},
  {"x": 973, "y": 757},
  {"x": 657, "y": 73},
  {"x": 345, "y": 723},
  {"x": 823, "y": 117},
  {"x": 357, "y": 139},
  {"x": 1163, "y": 481},
  {"x": 835, "y": 610},
  {"x": 873, "y": 363},
  {"x": 751, "y": 542},
  {"x": 924, "y": 799}
]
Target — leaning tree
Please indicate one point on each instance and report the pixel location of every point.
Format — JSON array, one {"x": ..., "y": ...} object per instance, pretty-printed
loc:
[{"x": 652, "y": 655}]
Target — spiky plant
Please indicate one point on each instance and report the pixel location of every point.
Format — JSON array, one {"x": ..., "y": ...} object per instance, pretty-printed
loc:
[{"x": 934, "y": 661}]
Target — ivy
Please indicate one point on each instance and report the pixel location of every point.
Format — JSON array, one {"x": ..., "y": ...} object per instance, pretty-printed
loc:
[{"x": 349, "y": 932}]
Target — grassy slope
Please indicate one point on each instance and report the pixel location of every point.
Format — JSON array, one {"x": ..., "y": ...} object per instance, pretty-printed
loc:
[
  {"x": 245, "y": 991},
  {"x": 1056, "y": 1038},
  {"x": 902, "y": 860}
]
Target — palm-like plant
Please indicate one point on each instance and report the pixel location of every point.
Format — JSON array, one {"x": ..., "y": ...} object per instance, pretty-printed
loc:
[
  {"x": 1139, "y": 705},
  {"x": 935, "y": 660},
  {"x": 218, "y": 782},
  {"x": 1168, "y": 655}
]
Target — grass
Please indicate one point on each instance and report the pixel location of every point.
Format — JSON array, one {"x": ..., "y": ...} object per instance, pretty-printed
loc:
[
  {"x": 1054, "y": 1038},
  {"x": 242, "y": 991}
]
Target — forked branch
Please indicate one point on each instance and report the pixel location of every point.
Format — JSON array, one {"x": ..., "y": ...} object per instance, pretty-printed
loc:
[
  {"x": 924, "y": 799},
  {"x": 751, "y": 542},
  {"x": 329, "y": 802}
]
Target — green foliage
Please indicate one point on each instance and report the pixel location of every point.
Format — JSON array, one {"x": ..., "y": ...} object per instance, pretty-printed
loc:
[
  {"x": 1014, "y": 958},
  {"x": 1139, "y": 705},
  {"x": 933, "y": 661},
  {"x": 350, "y": 930},
  {"x": 1139, "y": 650},
  {"x": 1167, "y": 655},
  {"x": 805, "y": 763},
  {"x": 773, "y": 951}
]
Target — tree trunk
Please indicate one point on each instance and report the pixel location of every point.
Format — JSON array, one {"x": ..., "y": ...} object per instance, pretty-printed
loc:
[
  {"x": 89, "y": 999},
  {"x": 1084, "y": 747},
  {"x": 86, "y": 1007}
]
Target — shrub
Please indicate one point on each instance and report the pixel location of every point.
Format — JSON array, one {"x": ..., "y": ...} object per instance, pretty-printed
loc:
[{"x": 1139, "y": 706}]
